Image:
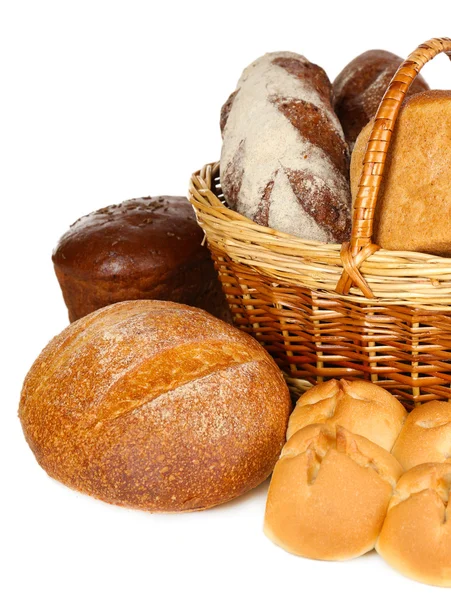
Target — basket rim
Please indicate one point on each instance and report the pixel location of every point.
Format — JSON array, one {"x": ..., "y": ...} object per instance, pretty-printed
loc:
[
  {"x": 422, "y": 280},
  {"x": 235, "y": 216},
  {"x": 361, "y": 245}
]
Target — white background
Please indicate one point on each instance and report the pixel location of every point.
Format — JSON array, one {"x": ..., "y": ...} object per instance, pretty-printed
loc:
[{"x": 105, "y": 101}]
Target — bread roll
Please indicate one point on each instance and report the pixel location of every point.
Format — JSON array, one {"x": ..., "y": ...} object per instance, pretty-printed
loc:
[
  {"x": 359, "y": 406},
  {"x": 329, "y": 493},
  {"x": 414, "y": 205},
  {"x": 284, "y": 161},
  {"x": 157, "y": 406},
  {"x": 426, "y": 435},
  {"x": 146, "y": 248},
  {"x": 416, "y": 536},
  {"x": 359, "y": 88}
]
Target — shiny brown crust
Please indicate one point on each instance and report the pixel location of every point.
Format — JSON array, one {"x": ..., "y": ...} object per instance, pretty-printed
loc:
[
  {"x": 359, "y": 88},
  {"x": 145, "y": 248},
  {"x": 157, "y": 406}
]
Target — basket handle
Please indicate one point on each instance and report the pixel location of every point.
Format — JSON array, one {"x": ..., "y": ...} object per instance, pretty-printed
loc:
[{"x": 360, "y": 247}]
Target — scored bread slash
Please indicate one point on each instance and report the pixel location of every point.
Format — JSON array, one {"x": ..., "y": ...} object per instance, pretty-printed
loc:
[
  {"x": 329, "y": 493},
  {"x": 157, "y": 406},
  {"x": 284, "y": 161},
  {"x": 359, "y": 406}
]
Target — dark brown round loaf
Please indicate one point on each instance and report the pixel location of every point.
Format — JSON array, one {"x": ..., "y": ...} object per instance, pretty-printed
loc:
[
  {"x": 155, "y": 405},
  {"x": 145, "y": 248},
  {"x": 359, "y": 88}
]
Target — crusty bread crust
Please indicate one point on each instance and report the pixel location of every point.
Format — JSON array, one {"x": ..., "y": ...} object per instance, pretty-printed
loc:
[{"x": 157, "y": 406}]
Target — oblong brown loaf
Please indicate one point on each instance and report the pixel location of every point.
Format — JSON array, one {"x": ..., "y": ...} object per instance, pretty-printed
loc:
[
  {"x": 157, "y": 406},
  {"x": 146, "y": 248},
  {"x": 359, "y": 88},
  {"x": 284, "y": 161}
]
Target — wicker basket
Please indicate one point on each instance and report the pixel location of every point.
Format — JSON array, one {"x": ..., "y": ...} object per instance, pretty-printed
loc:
[{"x": 325, "y": 311}]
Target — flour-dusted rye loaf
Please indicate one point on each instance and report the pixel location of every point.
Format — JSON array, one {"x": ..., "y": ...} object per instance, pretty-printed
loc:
[
  {"x": 284, "y": 161},
  {"x": 155, "y": 405}
]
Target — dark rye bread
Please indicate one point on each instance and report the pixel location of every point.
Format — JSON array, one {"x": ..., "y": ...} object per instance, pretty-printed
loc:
[
  {"x": 284, "y": 160},
  {"x": 145, "y": 248},
  {"x": 155, "y": 405},
  {"x": 359, "y": 88}
]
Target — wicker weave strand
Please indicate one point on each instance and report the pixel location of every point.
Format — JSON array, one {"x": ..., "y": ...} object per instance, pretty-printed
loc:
[
  {"x": 394, "y": 325},
  {"x": 374, "y": 162}
]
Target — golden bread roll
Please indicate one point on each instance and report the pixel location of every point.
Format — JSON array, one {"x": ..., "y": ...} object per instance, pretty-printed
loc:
[
  {"x": 359, "y": 406},
  {"x": 329, "y": 493},
  {"x": 425, "y": 436},
  {"x": 155, "y": 405},
  {"x": 416, "y": 536},
  {"x": 414, "y": 205}
]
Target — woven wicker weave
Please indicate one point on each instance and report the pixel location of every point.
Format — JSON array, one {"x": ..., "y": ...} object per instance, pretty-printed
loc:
[{"x": 325, "y": 311}]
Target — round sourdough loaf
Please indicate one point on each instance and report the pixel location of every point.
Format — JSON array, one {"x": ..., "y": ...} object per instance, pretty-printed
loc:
[
  {"x": 157, "y": 406},
  {"x": 425, "y": 436},
  {"x": 329, "y": 493},
  {"x": 416, "y": 536},
  {"x": 359, "y": 406}
]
